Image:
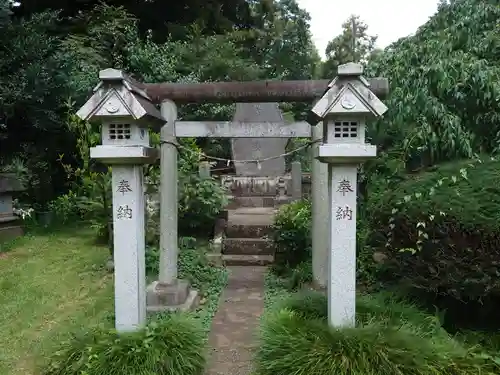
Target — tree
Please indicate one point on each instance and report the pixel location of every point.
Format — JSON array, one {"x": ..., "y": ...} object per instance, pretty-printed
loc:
[
  {"x": 354, "y": 44},
  {"x": 50, "y": 60},
  {"x": 5, "y": 12},
  {"x": 376, "y": 52},
  {"x": 281, "y": 41},
  {"x": 282, "y": 44},
  {"x": 159, "y": 18},
  {"x": 444, "y": 79},
  {"x": 33, "y": 83}
]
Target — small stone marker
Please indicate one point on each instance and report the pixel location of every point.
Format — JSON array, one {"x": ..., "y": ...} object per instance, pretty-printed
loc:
[
  {"x": 296, "y": 183},
  {"x": 125, "y": 139},
  {"x": 344, "y": 109},
  {"x": 204, "y": 170}
]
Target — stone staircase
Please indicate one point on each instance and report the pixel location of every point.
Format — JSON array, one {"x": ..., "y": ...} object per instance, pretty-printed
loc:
[
  {"x": 245, "y": 242},
  {"x": 249, "y": 218}
]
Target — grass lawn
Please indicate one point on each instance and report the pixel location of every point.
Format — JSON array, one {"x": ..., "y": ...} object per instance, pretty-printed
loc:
[{"x": 50, "y": 285}]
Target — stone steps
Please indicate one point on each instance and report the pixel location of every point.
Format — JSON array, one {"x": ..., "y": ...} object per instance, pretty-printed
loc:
[
  {"x": 236, "y": 202},
  {"x": 245, "y": 242},
  {"x": 247, "y": 246},
  {"x": 247, "y": 260},
  {"x": 248, "y": 231}
]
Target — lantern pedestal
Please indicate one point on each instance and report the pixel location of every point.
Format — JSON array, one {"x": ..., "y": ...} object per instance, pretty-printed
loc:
[
  {"x": 128, "y": 230},
  {"x": 341, "y": 287},
  {"x": 129, "y": 247},
  {"x": 343, "y": 161}
]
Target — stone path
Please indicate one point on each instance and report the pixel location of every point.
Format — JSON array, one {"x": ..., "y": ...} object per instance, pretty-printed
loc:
[{"x": 235, "y": 325}]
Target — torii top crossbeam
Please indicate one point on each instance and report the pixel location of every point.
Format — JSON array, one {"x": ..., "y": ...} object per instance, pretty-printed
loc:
[{"x": 248, "y": 92}]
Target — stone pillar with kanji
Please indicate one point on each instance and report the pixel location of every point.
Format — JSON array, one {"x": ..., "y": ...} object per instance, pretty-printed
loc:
[
  {"x": 126, "y": 114},
  {"x": 343, "y": 110}
]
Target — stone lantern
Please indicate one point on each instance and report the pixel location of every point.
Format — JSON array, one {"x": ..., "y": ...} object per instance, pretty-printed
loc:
[
  {"x": 126, "y": 113},
  {"x": 344, "y": 109},
  {"x": 10, "y": 227}
]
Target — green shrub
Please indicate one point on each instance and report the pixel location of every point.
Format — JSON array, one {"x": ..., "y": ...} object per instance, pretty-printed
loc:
[
  {"x": 172, "y": 345},
  {"x": 200, "y": 202},
  {"x": 441, "y": 233},
  {"x": 391, "y": 338},
  {"x": 292, "y": 235},
  {"x": 193, "y": 265},
  {"x": 483, "y": 343},
  {"x": 299, "y": 276},
  {"x": 290, "y": 279},
  {"x": 293, "y": 243}
]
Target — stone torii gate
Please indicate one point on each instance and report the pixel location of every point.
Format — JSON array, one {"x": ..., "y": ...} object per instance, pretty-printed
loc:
[
  {"x": 136, "y": 99},
  {"x": 170, "y": 94}
]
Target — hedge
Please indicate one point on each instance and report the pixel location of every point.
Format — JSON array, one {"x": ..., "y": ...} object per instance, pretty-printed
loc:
[{"x": 441, "y": 233}]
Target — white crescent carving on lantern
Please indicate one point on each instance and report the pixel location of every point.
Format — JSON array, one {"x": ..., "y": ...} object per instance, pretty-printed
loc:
[
  {"x": 111, "y": 108},
  {"x": 347, "y": 103}
]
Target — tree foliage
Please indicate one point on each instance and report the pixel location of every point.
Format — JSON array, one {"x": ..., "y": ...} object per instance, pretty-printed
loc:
[
  {"x": 444, "y": 86},
  {"x": 354, "y": 44},
  {"x": 157, "y": 18},
  {"x": 282, "y": 26},
  {"x": 5, "y": 12},
  {"x": 50, "y": 59}
]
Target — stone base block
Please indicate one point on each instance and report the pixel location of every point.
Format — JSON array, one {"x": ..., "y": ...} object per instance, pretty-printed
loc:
[
  {"x": 10, "y": 232},
  {"x": 252, "y": 201},
  {"x": 171, "y": 297}
]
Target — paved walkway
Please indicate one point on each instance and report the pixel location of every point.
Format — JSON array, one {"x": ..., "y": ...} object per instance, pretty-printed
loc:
[{"x": 236, "y": 322}]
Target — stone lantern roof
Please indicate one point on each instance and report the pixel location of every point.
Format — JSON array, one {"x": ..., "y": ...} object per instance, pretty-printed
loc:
[
  {"x": 349, "y": 94},
  {"x": 118, "y": 95}
]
